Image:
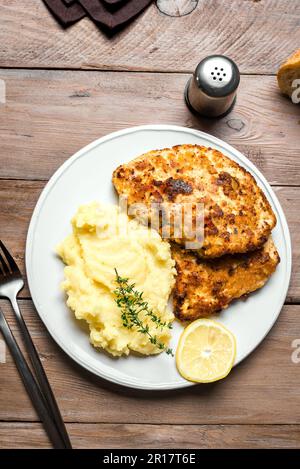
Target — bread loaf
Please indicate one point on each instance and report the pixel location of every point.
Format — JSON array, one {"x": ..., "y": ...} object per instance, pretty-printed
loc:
[{"x": 288, "y": 72}]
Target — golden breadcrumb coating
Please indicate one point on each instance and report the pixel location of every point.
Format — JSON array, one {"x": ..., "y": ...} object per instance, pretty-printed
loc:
[
  {"x": 237, "y": 215},
  {"x": 204, "y": 287}
]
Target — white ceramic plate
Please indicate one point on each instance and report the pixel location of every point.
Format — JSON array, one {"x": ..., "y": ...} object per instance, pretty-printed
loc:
[{"x": 86, "y": 177}]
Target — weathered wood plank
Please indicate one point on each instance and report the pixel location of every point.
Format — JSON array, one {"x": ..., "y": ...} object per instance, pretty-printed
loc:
[
  {"x": 18, "y": 198},
  {"x": 249, "y": 32},
  {"x": 17, "y": 201},
  {"x": 264, "y": 389},
  {"x": 49, "y": 115},
  {"x": 289, "y": 197},
  {"x": 106, "y": 436}
]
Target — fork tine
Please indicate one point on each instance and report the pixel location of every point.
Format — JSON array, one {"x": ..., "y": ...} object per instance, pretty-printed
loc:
[
  {"x": 9, "y": 258},
  {"x": 5, "y": 269}
]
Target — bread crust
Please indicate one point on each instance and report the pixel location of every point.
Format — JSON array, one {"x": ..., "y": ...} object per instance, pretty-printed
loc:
[{"x": 288, "y": 72}]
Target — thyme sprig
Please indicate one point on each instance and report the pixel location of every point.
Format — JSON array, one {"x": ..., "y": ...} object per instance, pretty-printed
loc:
[{"x": 131, "y": 303}]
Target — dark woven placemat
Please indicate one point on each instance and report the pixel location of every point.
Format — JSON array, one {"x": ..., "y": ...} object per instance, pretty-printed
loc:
[
  {"x": 110, "y": 15},
  {"x": 113, "y": 20},
  {"x": 65, "y": 14}
]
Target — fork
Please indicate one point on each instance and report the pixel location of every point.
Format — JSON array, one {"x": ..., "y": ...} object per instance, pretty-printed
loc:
[
  {"x": 30, "y": 384},
  {"x": 11, "y": 283}
]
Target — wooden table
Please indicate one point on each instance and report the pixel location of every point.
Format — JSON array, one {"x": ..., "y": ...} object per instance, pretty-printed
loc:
[{"x": 65, "y": 89}]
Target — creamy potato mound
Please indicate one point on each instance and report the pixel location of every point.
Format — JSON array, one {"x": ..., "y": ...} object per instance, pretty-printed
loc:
[{"x": 103, "y": 239}]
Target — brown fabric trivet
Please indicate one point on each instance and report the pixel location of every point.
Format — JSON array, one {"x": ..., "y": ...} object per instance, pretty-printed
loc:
[
  {"x": 109, "y": 3},
  {"x": 114, "y": 5},
  {"x": 113, "y": 2},
  {"x": 113, "y": 21},
  {"x": 66, "y": 15}
]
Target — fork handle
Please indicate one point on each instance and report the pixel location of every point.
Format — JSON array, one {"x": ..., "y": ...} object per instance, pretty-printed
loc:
[
  {"x": 30, "y": 384},
  {"x": 42, "y": 377}
]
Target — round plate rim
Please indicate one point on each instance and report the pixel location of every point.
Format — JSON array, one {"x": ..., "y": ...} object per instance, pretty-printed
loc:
[{"x": 132, "y": 383}]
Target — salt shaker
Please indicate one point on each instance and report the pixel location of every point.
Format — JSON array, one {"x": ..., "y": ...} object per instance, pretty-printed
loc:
[{"x": 211, "y": 91}]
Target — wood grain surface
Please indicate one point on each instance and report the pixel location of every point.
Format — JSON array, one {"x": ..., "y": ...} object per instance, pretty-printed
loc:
[
  {"x": 258, "y": 35},
  {"x": 264, "y": 389},
  {"x": 32, "y": 435},
  {"x": 49, "y": 115},
  {"x": 65, "y": 88}
]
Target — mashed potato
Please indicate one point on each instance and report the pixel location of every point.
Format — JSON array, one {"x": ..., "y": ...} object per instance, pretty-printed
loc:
[{"x": 103, "y": 239}]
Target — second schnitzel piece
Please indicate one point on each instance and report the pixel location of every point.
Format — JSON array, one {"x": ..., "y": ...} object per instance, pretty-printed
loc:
[
  {"x": 204, "y": 287},
  {"x": 237, "y": 215}
]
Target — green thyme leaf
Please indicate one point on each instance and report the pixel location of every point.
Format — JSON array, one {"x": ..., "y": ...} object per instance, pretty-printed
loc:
[{"x": 131, "y": 303}]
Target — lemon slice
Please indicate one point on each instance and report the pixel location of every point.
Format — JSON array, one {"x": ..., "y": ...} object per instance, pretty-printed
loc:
[{"x": 206, "y": 351}]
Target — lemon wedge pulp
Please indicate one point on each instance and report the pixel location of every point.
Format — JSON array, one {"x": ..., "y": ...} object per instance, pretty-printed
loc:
[{"x": 206, "y": 351}]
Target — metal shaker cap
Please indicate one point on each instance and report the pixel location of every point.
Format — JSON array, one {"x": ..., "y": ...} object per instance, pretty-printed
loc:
[{"x": 212, "y": 89}]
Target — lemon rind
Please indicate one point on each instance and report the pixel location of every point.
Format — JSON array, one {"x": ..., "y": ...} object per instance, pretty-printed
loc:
[{"x": 192, "y": 326}]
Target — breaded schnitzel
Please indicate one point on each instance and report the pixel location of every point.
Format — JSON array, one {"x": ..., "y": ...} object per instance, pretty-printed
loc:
[
  {"x": 237, "y": 216},
  {"x": 204, "y": 287}
]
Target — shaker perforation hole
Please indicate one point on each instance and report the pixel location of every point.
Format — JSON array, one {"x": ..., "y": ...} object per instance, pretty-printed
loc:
[{"x": 217, "y": 73}]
